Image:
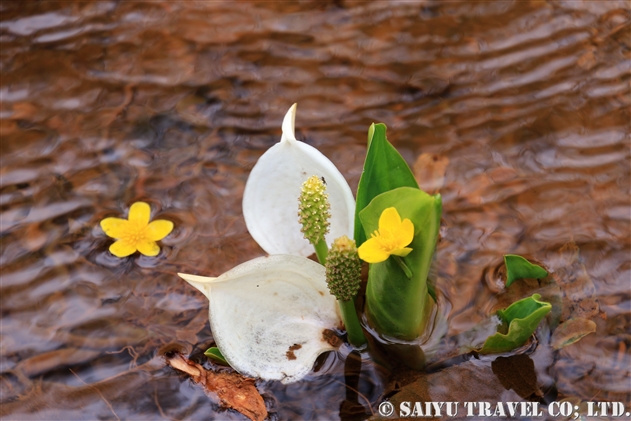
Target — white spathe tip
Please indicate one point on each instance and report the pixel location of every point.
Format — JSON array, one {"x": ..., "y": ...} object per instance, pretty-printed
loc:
[
  {"x": 268, "y": 315},
  {"x": 270, "y": 198},
  {"x": 289, "y": 124},
  {"x": 202, "y": 283}
]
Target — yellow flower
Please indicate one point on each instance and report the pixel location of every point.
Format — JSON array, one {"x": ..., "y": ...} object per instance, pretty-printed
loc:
[
  {"x": 391, "y": 238},
  {"x": 136, "y": 233}
]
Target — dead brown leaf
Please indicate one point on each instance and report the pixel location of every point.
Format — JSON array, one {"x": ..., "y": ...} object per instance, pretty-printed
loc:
[
  {"x": 571, "y": 331},
  {"x": 429, "y": 170},
  {"x": 517, "y": 372},
  {"x": 233, "y": 390},
  {"x": 576, "y": 286}
]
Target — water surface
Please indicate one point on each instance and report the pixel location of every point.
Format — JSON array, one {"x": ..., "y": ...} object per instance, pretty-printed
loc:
[{"x": 106, "y": 103}]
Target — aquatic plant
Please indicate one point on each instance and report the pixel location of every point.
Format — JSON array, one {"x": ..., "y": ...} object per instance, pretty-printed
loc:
[
  {"x": 136, "y": 233},
  {"x": 272, "y": 316},
  {"x": 343, "y": 267},
  {"x": 280, "y": 312}
]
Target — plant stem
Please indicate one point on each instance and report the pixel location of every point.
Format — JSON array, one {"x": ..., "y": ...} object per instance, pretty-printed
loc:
[
  {"x": 403, "y": 266},
  {"x": 353, "y": 327},
  {"x": 321, "y": 250}
]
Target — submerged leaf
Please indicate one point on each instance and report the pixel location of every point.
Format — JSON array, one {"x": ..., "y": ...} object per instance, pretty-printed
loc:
[
  {"x": 519, "y": 268},
  {"x": 517, "y": 372},
  {"x": 571, "y": 331},
  {"x": 269, "y": 316},
  {"x": 522, "y": 318},
  {"x": 577, "y": 287},
  {"x": 429, "y": 170},
  {"x": 270, "y": 198},
  {"x": 384, "y": 170}
]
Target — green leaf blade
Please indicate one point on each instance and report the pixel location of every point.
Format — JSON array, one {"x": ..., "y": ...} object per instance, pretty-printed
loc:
[
  {"x": 399, "y": 306},
  {"x": 519, "y": 268},
  {"x": 384, "y": 170},
  {"x": 523, "y": 317}
]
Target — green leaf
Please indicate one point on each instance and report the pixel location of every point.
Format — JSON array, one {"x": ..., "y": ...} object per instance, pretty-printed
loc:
[
  {"x": 215, "y": 354},
  {"x": 384, "y": 170},
  {"x": 519, "y": 268},
  {"x": 399, "y": 306},
  {"x": 522, "y": 318}
]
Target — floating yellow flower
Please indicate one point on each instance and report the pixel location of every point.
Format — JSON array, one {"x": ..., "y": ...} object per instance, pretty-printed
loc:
[
  {"x": 136, "y": 233},
  {"x": 391, "y": 238}
]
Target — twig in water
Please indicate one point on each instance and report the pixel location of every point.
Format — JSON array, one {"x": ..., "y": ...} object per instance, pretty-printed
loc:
[{"x": 97, "y": 391}]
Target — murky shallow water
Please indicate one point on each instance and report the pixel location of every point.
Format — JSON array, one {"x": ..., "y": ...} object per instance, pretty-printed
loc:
[{"x": 106, "y": 103}]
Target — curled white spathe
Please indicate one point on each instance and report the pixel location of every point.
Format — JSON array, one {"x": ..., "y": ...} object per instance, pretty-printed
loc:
[
  {"x": 270, "y": 199},
  {"x": 268, "y": 315}
]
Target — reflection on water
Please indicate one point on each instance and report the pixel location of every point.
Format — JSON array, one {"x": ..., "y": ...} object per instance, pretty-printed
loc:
[{"x": 106, "y": 103}]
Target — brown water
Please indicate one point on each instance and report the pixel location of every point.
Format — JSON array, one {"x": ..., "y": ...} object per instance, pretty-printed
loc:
[{"x": 106, "y": 103}]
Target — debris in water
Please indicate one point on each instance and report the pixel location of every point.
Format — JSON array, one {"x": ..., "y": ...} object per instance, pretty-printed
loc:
[
  {"x": 233, "y": 390},
  {"x": 577, "y": 288},
  {"x": 517, "y": 372},
  {"x": 429, "y": 171},
  {"x": 571, "y": 331}
]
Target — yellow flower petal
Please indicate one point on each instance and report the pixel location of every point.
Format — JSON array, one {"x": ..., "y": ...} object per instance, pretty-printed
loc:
[
  {"x": 140, "y": 212},
  {"x": 122, "y": 248},
  {"x": 391, "y": 238},
  {"x": 406, "y": 233},
  {"x": 389, "y": 221},
  {"x": 114, "y": 227},
  {"x": 148, "y": 248},
  {"x": 159, "y": 229},
  {"x": 402, "y": 252},
  {"x": 372, "y": 251}
]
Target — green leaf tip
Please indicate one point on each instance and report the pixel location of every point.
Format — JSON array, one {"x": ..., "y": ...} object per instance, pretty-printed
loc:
[
  {"x": 215, "y": 354},
  {"x": 384, "y": 170},
  {"x": 518, "y": 267},
  {"x": 371, "y": 133},
  {"x": 522, "y": 318}
]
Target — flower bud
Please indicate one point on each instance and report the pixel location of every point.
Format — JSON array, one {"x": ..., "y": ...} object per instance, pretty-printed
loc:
[{"x": 343, "y": 269}]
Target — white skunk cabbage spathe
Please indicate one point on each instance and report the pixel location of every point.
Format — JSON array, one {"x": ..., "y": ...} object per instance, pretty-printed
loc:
[
  {"x": 270, "y": 199},
  {"x": 268, "y": 316}
]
